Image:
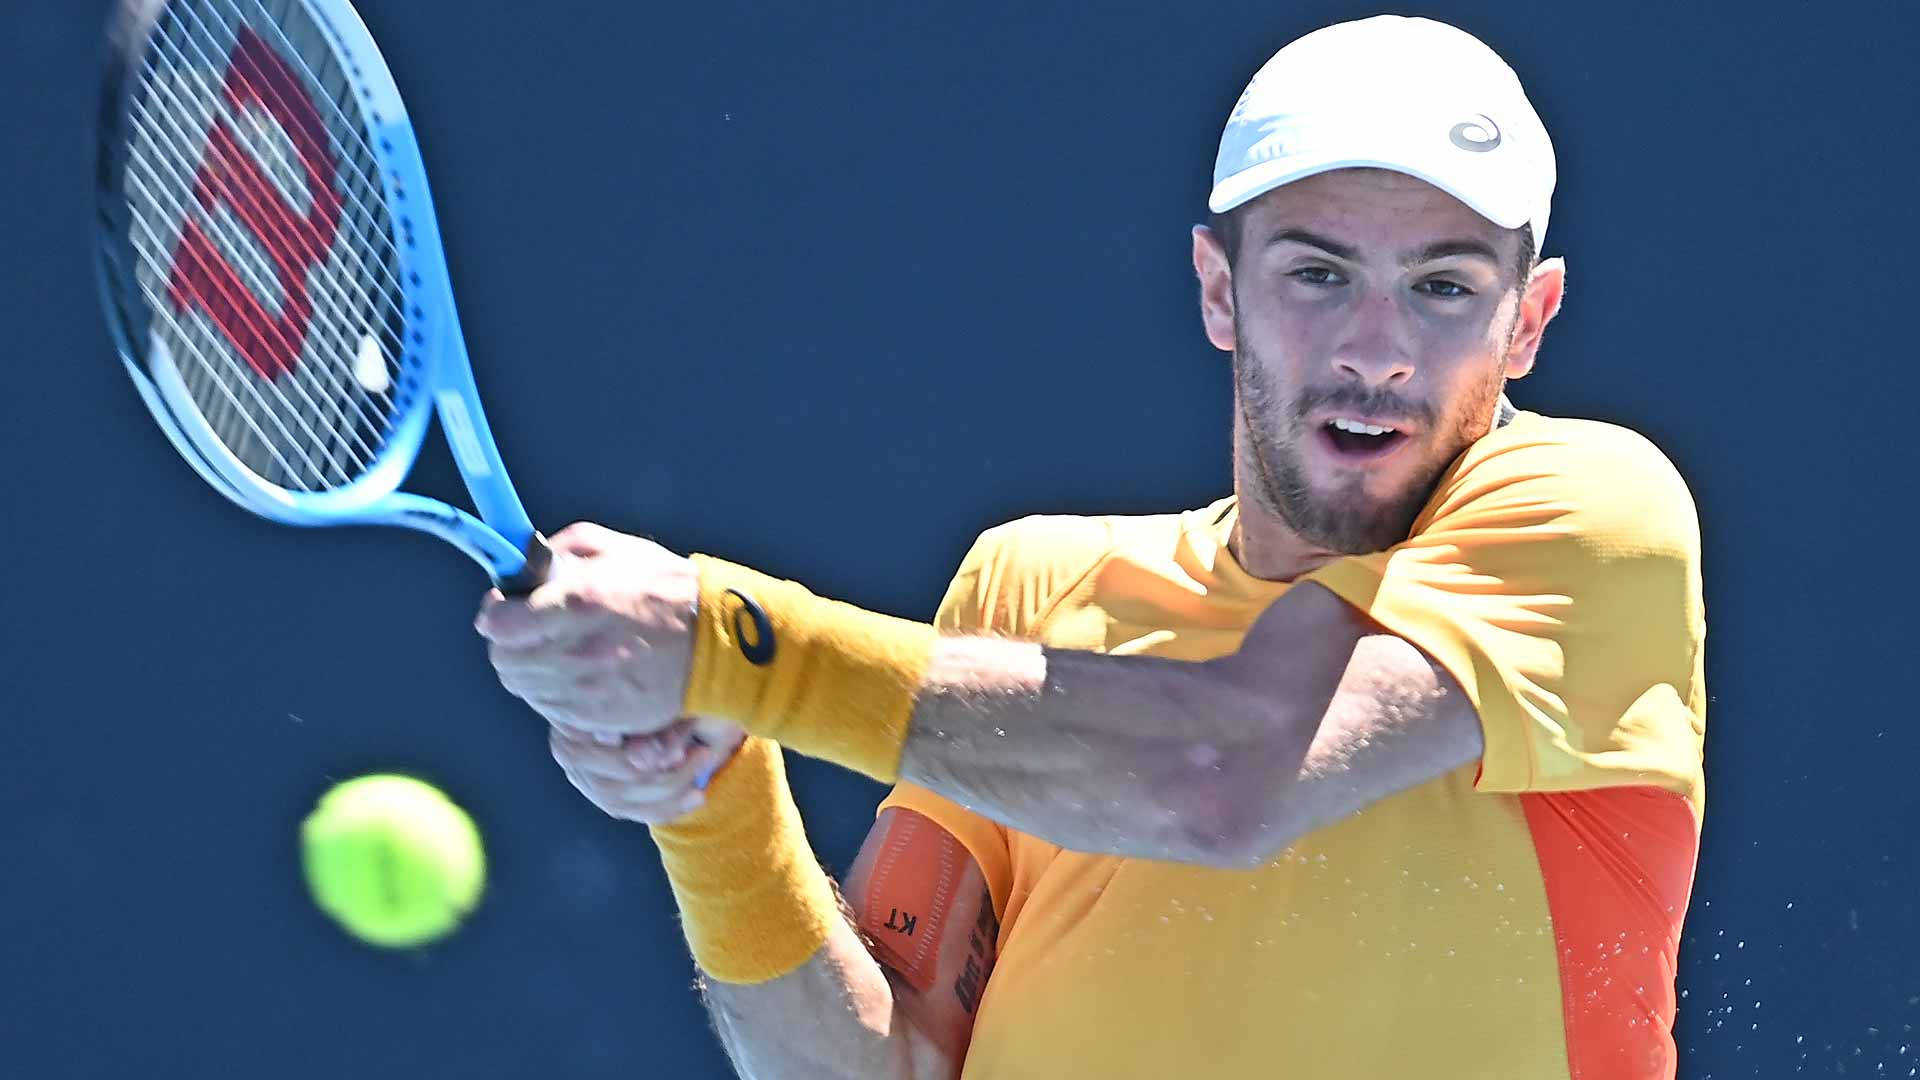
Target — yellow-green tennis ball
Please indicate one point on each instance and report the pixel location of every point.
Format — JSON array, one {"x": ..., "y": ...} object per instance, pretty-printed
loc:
[{"x": 392, "y": 859}]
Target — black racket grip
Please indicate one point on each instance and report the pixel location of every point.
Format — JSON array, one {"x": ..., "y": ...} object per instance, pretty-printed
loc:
[{"x": 534, "y": 573}]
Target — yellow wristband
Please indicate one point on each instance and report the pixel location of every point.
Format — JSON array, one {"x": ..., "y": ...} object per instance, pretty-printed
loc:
[
  {"x": 754, "y": 902},
  {"x": 823, "y": 678}
]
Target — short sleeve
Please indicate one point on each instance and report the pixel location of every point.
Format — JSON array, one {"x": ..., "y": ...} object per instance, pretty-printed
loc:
[
  {"x": 974, "y": 596},
  {"x": 1556, "y": 575}
]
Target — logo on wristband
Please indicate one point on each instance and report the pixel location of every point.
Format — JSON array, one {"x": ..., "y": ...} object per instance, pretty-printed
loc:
[{"x": 758, "y": 649}]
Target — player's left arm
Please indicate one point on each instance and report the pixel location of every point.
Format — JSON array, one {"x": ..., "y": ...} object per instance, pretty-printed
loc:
[
  {"x": 1223, "y": 762},
  {"x": 1319, "y": 714}
]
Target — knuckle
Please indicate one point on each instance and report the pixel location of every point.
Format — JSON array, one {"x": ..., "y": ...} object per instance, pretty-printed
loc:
[
  {"x": 579, "y": 535},
  {"x": 597, "y": 646}
]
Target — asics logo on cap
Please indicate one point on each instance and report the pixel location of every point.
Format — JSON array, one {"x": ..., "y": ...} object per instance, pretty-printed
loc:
[
  {"x": 1273, "y": 143},
  {"x": 1479, "y": 134}
]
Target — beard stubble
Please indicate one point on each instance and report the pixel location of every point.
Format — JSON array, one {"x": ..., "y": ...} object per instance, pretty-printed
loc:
[{"x": 1346, "y": 519}]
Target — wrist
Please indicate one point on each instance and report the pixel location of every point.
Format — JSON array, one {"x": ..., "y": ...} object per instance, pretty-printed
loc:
[
  {"x": 753, "y": 900},
  {"x": 823, "y": 678}
]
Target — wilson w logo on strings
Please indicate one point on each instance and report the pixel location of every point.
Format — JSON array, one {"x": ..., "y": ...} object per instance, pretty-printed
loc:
[{"x": 229, "y": 177}]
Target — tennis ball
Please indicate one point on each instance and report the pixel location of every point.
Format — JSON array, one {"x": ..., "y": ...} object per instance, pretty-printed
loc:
[{"x": 392, "y": 859}]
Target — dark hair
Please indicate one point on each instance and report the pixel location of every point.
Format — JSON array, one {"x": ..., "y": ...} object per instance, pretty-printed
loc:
[{"x": 1226, "y": 228}]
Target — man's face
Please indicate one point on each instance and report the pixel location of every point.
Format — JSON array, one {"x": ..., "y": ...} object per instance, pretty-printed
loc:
[{"x": 1360, "y": 300}]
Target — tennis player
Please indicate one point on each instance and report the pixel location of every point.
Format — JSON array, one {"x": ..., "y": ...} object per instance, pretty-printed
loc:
[{"x": 1389, "y": 763}]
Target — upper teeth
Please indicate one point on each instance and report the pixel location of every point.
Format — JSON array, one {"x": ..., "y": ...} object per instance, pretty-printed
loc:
[{"x": 1359, "y": 428}]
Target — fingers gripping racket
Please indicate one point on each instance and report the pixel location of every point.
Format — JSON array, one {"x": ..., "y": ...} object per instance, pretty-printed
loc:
[{"x": 273, "y": 273}]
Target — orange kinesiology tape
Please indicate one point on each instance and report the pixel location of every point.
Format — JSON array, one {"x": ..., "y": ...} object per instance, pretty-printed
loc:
[
  {"x": 822, "y": 677},
  {"x": 754, "y": 903},
  {"x": 910, "y": 892}
]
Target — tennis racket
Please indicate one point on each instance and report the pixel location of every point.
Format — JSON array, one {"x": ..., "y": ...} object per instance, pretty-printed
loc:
[{"x": 274, "y": 277}]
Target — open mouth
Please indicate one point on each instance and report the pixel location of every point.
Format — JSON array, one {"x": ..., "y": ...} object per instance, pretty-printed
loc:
[{"x": 1360, "y": 441}]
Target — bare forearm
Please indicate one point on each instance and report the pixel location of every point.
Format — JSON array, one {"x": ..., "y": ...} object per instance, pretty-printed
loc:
[
  {"x": 834, "y": 1016},
  {"x": 1132, "y": 756},
  {"x": 1129, "y": 755}
]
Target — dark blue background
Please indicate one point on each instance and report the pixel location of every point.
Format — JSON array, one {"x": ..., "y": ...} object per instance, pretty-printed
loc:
[{"x": 829, "y": 292}]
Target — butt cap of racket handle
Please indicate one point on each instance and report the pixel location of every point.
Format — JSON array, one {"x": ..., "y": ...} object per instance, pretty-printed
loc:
[{"x": 534, "y": 573}]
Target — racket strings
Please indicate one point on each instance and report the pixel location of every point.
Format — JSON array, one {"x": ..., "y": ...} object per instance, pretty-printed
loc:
[
  {"x": 279, "y": 412},
  {"x": 331, "y": 415},
  {"x": 362, "y": 172},
  {"x": 359, "y": 174},
  {"x": 315, "y": 426},
  {"x": 307, "y": 473},
  {"x": 233, "y": 239}
]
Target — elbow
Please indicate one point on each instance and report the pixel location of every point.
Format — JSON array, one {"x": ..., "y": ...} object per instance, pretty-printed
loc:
[
  {"x": 1255, "y": 851},
  {"x": 1242, "y": 840},
  {"x": 1235, "y": 814},
  {"x": 1205, "y": 818},
  {"x": 1228, "y": 796}
]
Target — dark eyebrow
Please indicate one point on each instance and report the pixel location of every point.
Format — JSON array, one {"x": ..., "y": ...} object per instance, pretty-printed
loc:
[
  {"x": 1441, "y": 249},
  {"x": 1302, "y": 236}
]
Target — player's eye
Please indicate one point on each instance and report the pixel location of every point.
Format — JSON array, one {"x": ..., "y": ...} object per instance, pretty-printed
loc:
[
  {"x": 1441, "y": 287},
  {"x": 1317, "y": 275}
]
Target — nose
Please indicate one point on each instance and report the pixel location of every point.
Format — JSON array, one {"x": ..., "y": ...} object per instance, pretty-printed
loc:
[{"x": 1377, "y": 349}]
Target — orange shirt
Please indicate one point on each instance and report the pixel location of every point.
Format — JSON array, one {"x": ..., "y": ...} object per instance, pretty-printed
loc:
[{"x": 1518, "y": 917}]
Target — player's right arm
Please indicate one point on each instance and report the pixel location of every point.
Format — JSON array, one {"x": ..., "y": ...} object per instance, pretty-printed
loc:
[
  {"x": 893, "y": 990},
  {"x": 880, "y": 979}
]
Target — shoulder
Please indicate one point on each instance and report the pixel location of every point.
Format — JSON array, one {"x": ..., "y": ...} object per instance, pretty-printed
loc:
[
  {"x": 1015, "y": 570},
  {"x": 1579, "y": 449},
  {"x": 1589, "y": 476}
]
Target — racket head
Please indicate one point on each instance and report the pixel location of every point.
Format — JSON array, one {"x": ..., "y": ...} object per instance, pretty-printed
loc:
[{"x": 258, "y": 255}]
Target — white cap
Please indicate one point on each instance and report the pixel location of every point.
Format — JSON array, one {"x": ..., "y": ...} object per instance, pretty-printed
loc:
[{"x": 1411, "y": 95}]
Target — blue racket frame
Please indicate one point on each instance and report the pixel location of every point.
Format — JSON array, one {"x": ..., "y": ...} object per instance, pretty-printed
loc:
[{"x": 435, "y": 373}]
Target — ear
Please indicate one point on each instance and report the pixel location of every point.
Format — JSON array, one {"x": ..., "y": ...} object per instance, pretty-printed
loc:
[
  {"x": 1216, "y": 288},
  {"x": 1538, "y": 306}
]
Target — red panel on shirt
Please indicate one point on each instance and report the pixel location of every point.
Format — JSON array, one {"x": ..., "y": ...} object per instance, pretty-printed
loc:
[{"x": 1618, "y": 867}]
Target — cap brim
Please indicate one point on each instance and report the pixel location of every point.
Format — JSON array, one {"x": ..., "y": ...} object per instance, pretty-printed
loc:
[{"x": 1479, "y": 193}]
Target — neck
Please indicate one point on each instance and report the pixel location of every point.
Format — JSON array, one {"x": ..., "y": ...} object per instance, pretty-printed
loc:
[{"x": 1267, "y": 548}]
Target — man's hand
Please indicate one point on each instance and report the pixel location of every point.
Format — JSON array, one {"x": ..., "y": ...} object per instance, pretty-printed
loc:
[
  {"x": 651, "y": 779},
  {"x": 604, "y": 647}
]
